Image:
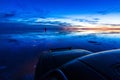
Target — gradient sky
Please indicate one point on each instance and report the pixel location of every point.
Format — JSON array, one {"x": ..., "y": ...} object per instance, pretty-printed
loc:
[{"x": 73, "y": 12}]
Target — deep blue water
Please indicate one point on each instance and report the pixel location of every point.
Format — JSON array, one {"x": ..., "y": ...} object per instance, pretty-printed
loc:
[{"x": 19, "y": 52}]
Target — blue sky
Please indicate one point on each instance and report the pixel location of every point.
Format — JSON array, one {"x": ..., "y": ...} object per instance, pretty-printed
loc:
[{"x": 74, "y": 12}]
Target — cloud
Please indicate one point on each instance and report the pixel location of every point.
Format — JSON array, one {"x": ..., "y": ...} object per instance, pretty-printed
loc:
[
  {"x": 112, "y": 24},
  {"x": 57, "y": 23},
  {"x": 53, "y": 21},
  {"x": 96, "y": 19},
  {"x": 109, "y": 10},
  {"x": 60, "y": 21},
  {"x": 7, "y": 15},
  {"x": 103, "y": 12},
  {"x": 93, "y": 21}
]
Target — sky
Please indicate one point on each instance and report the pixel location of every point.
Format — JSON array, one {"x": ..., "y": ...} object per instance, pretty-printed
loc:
[{"x": 83, "y": 13}]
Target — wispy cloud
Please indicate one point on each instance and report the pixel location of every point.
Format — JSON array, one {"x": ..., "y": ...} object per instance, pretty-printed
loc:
[
  {"x": 109, "y": 11},
  {"x": 115, "y": 25},
  {"x": 103, "y": 12},
  {"x": 80, "y": 21},
  {"x": 7, "y": 15},
  {"x": 94, "y": 21}
]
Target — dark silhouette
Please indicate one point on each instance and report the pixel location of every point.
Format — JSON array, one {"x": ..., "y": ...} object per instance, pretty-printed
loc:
[{"x": 45, "y": 29}]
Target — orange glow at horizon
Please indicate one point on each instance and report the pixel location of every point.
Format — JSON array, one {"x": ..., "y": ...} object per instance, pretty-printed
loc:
[{"x": 94, "y": 29}]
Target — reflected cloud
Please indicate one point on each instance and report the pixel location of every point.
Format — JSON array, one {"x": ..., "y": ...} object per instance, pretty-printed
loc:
[{"x": 94, "y": 29}]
